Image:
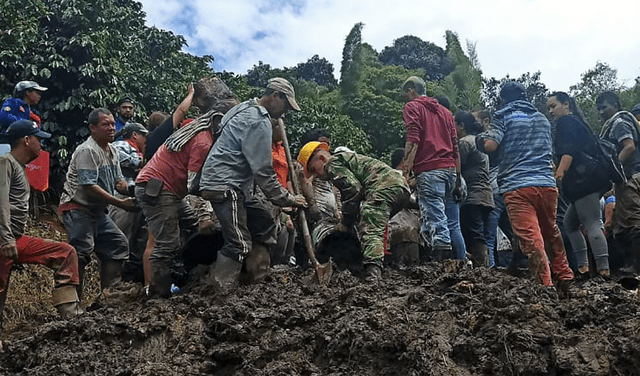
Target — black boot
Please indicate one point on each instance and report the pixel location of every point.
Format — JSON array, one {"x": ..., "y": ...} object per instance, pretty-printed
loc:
[
  {"x": 65, "y": 299},
  {"x": 160, "y": 281},
  {"x": 3, "y": 298},
  {"x": 372, "y": 272},
  {"x": 225, "y": 273},
  {"x": 110, "y": 273},
  {"x": 479, "y": 253},
  {"x": 257, "y": 263}
]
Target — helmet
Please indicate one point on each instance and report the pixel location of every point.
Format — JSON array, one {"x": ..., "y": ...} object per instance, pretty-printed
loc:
[{"x": 308, "y": 149}]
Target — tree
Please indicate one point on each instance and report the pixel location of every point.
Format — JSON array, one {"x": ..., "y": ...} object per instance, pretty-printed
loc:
[
  {"x": 462, "y": 86},
  {"x": 535, "y": 90},
  {"x": 318, "y": 70},
  {"x": 350, "y": 68},
  {"x": 89, "y": 54},
  {"x": 412, "y": 52}
]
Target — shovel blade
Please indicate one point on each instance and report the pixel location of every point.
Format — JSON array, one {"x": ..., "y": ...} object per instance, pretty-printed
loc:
[{"x": 321, "y": 276}]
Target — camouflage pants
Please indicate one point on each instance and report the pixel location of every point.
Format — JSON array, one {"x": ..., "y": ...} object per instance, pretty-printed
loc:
[{"x": 376, "y": 210}]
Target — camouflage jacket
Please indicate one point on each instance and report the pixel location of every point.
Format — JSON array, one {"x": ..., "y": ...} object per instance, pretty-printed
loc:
[{"x": 359, "y": 177}]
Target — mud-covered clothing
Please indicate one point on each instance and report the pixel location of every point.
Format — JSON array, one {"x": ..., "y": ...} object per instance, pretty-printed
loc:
[
  {"x": 13, "y": 109},
  {"x": 430, "y": 126},
  {"x": 474, "y": 167},
  {"x": 242, "y": 155},
  {"x": 172, "y": 168},
  {"x": 574, "y": 138},
  {"x": 90, "y": 165},
  {"x": 14, "y": 212},
  {"x": 532, "y": 212},
  {"x": 523, "y": 136},
  {"x": 130, "y": 158},
  {"x": 624, "y": 126},
  {"x": 325, "y": 199},
  {"x": 370, "y": 190}
]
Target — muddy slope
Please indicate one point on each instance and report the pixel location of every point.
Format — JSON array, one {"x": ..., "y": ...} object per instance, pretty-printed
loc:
[{"x": 436, "y": 319}]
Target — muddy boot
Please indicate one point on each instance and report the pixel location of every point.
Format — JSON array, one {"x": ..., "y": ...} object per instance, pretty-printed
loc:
[
  {"x": 65, "y": 299},
  {"x": 372, "y": 272},
  {"x": 110, "y": 273},
  {"x": 160, "y": 282},
  {"x": 479, "y": 254},
  {"x": 567, "y": 289},
  {"x": 257, "y": 263},
  {"x": 225, "y": 272},
  {"x": 3, "y": 298}
]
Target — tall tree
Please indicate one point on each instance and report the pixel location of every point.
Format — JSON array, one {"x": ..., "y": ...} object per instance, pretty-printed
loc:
[
  {"x": 536, "y": 91},
  {"x": 318, "y": 70},
  {"x": 350, "y": 68},
  {"x": 412, "y": 52},
  {"x": 462, "y": 85},
  {"x": 593, "y": 82}
]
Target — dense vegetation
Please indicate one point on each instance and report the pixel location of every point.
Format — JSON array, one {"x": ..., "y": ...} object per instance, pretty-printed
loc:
[{"x": 89, "y": 54}]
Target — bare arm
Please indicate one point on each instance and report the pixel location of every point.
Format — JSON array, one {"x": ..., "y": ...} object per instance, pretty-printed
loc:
[
  {"x": 181, "y": 111},
  {"x": 95, "y": 192},
  {"x": 563, "y": 166},
  {"x": 410, "y": 150},
  {"x": 490, "y": 146},
  {"x": 628, "y": 147}
]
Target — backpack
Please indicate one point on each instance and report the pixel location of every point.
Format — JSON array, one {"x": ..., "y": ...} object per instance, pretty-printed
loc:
[{"x": 606, "y": 161}]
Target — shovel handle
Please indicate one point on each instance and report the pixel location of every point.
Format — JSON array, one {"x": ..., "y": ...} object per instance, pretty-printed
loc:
[{"x": 306, "y": 235}]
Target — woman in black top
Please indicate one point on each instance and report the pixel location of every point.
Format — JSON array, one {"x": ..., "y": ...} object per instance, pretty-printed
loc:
[{"x": 576, "y": 149}]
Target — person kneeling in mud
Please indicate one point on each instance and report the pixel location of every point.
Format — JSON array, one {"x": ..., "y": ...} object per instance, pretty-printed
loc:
[{"x": 370, "y": 191}]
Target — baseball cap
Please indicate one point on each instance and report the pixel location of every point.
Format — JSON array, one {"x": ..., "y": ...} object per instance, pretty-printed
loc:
[
  {"x": 636, "y": 109},
  {"x": 123, "y": 100},
  {"x": 308, "y": 149},
  {"x": 21, "y": 128},
  {"x": 283, "y": 86},
  {"x": 131, "y": 127},
  {"x": 24, "y": 85}
]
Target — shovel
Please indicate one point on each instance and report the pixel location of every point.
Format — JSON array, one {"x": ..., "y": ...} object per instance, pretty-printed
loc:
[{"x": 323, "y": 272}]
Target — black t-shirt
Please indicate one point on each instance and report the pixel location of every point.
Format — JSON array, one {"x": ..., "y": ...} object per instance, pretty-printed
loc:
[
  {"x": 157, "y": 137},
  {"x": 574, "y": 137}
]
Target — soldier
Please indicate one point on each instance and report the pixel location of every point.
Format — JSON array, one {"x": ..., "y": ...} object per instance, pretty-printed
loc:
[{"x": 369, "y": 190}]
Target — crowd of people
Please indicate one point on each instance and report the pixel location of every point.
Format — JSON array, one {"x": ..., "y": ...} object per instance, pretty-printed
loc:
[{"x": 135, "y": 194}]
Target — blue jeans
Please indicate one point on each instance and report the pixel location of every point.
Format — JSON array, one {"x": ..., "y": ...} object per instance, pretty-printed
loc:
[
  {"x": 452, "y": 211},
  {"x": 434, "y": 189}
]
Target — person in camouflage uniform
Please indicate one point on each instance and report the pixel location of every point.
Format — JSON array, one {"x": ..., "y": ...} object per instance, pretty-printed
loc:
[{"x": 370, "y": 191}]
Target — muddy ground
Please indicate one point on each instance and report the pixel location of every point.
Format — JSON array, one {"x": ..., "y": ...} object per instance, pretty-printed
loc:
[{"x": 433, "y": 319}]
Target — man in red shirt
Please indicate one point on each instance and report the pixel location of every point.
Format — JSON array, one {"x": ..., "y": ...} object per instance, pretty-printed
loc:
[{"x": 431, "y": 154}]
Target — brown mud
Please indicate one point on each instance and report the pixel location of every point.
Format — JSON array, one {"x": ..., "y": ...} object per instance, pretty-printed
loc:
[{"x": 433, "y": 319}]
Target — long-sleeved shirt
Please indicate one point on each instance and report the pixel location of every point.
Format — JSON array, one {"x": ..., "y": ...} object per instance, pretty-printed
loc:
[
  {"x": 523, "y": 136},
  {"x": 242, "y": 155},
  {"x": 14, "y": 199}
]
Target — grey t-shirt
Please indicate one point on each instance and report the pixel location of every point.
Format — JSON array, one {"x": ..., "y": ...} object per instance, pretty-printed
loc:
[
  {"x": 14, "y": 199},
  {"x": 621, "y": 127}
]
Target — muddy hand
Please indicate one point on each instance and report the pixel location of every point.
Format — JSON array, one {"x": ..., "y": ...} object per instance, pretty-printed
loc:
[
  {"x": 10, "y": 251},
  {"x": 129, "y": 204},
  {"x": 300, "y": 201}
]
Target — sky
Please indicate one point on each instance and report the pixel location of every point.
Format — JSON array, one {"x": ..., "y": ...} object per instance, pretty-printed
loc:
[{"x": 560, "y": 38}]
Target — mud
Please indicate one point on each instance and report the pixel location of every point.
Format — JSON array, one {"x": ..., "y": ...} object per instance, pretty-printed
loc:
[{"x": 434, "y": 319}]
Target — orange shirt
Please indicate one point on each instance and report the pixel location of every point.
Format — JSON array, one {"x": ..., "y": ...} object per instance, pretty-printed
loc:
[{"x": 279, "y": 162}]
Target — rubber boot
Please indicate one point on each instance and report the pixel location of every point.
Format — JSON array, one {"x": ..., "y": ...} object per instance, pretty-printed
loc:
[
  {"x": 257, "y": 263},
  {"x": 225, "y": 273},
  {"x": 372, "y": 272},
  {"x": 479, "y": 253},
  {"x": 110, "y": 273},
  {"x": 65, "y": 299},
  {"x": 3, "y": 298},
  {"x": 160, "y": 282}
]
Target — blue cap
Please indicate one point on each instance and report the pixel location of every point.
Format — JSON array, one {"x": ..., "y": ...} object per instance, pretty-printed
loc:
[{"x": 21, "y": 128}]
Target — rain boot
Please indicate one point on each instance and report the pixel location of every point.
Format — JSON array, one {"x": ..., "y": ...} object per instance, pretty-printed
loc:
[
  {"x": 479, "y": 253},
  {"x": 257, "y": 262},
  {"x": 225, "y": 272},
  {"x": 372, "y": 272},
  {"x": 160, "y": 283},
  {"x": 110, "y": 273},
  {"x": 65, "y": 299}
]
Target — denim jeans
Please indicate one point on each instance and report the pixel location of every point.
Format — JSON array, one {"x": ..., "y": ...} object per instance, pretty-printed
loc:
[
  {"x": 434, "y": 189},
  {"x": 452, "y": 211},
  {"x": 88, "y": 232}
]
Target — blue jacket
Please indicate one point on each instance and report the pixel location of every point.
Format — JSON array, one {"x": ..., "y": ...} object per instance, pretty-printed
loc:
[
  {"x": 524, "y": 149},
  {"x": 13, "y": 109}
]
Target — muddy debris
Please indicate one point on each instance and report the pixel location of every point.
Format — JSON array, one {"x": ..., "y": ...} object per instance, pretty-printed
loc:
[{"x": 433, "y": 319}]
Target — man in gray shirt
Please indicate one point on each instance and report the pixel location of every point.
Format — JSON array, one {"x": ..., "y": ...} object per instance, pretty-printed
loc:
[
  {"x": 24, "y": 137},
  {"x": 240, "y": 157}
]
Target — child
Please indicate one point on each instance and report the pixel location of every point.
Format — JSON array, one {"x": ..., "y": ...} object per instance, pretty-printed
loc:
[{"x": 370, "y": 191}]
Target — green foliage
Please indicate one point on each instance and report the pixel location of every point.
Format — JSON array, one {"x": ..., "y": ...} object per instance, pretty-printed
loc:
[
  {"x": 351, "y": 61},
  {"x": 318, "y": 70},
  {"x": 412, "y": 52},
  {"x": 90, "y": 54},
  {"x": 462, "y": 85},
  {"x": 535, "y": 90}
]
